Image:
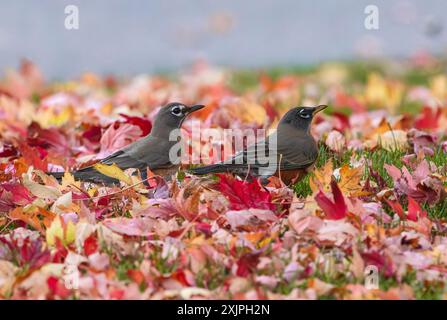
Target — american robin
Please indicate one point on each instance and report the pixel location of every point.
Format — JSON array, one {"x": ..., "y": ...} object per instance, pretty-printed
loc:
[
  {"x": 151, "y": 151},
  {"x": 294, "y": 154}
]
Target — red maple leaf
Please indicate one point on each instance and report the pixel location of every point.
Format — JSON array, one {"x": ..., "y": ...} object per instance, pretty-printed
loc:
[
  {"x": 35, "y": 157},
  {"x": 428, "y": 118},
  {"x": 144, "y": 124},
  {"x": 244, "y": 194},
  {"x": 397, "y": 208},
  {"x": 335, "y": 210},
  {"x": 414, "y": 210},
  {"x": 380, "y": 260},
  {"x": 247, "y": 264},
  {"x": 57, "y": 288},
  {"x": 90, "y": 245}
]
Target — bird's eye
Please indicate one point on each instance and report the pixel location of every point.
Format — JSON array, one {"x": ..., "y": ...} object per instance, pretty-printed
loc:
[
  {"x": 303, "y": 114},
  {"x": 177, "y": 111}
]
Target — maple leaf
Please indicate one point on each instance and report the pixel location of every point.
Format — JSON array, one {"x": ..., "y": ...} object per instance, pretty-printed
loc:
[
  {"x": 35, "y": 157},
  {"x": 48, "y": 138},
  {"x": 397, "y": 208},
  {"x": 381, "y": 261},
  {"x": 144, "y": 124},
  {"x": 421, "y": 185},
  {"x": 90, "y": 245},
  {"x": 335, "y": 141},
  {"x": 62, "y": 231},
  {"x": 341, "y": 121},
  {"x": 414, "y": 210},
  {"x": 336, "y": 209},
  {"x": 244, "y": 194},
  {"x": 115, "y": 139},
  {"x": 113, "y": 171},
  {"x": 422, "y": 141},
  {"x": 250, "y": 219},
  {"x": 350, "y": 181},
  {"x": 428, "y": 118},
  {"x": 134, "y": 227},
  {"x": 57, "y": 287},
  {"x": 14, "y": 194},
  {"x": 38, "y": 218},
  {"x": 322, "y": 178},
  {"x": 26, "y": 251},
  {"x": 246, "y": 264}
]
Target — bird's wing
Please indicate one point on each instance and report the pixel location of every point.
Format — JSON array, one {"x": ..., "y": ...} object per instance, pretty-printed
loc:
[
  {"x": 290, "y": 154},
  {"x": 148, "y": 152},
  {"x": 298, "y": 156}
]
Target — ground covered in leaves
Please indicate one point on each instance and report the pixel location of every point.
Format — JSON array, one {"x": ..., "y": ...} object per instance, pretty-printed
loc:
[{"x": 375, "y": 201}]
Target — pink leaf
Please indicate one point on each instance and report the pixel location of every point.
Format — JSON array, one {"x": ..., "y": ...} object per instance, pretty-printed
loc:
[
  {"x": 115, "y": 139},
  {"x": 393, "y": 171},
  {"x": 135, "y": 227}
]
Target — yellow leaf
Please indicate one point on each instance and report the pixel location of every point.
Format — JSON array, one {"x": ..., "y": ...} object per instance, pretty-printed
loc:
[
  {"x": 91, "y": 192},
  {"x": 65, "y": 232},
  {"x": 438, "y": 85},
  {"x": 383, "y": 93},
  {"x": 68, "y": 179},
  {"x": 50, "y": 117},
  {"x": 322, "y": 178},
  {"x": 113, "y": 171}
]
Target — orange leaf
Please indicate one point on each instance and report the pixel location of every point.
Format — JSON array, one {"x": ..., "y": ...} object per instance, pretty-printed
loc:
[
  {"x": 32, "y": 218},
  {"x": 29, "y": 218},
  {"x": 322, "y": 177},
  {"x": 350, "y": 181}
]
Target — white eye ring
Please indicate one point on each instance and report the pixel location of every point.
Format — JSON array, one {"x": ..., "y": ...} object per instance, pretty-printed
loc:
[
  {"x": 177, "y": 111},
  {"x": 304, "y": 115}
]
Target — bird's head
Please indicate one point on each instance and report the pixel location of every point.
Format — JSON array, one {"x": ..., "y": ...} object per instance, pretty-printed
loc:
[
  {"x": 301, "y": 117},
  {"x": 171, "y": 117}
]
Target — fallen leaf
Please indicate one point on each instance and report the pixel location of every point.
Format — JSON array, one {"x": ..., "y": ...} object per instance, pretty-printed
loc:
[
  {"x": 336, "y": 209},
  {"x": 113, "y": 171}
]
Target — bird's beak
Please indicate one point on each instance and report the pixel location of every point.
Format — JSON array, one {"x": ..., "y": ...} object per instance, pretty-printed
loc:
[
  {"x": 319, "y": 108},
  {"x": 195, "y": 108}
]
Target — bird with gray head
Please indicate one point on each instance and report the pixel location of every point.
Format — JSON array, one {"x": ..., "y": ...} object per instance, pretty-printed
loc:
[
  {"x": 289, "y": 152},
  {"x": 151, "y": 151}
]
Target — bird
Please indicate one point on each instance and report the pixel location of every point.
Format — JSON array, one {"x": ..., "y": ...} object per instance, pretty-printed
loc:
[
  {"x": 151, "y": 151},
  {"x": 291, "y": 151}
]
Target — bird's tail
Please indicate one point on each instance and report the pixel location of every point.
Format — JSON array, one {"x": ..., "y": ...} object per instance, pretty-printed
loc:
[
  {"x": 214, "y": 168},
  {"x": 57, "y": 175},
  {"x": 88, "y": 175}
]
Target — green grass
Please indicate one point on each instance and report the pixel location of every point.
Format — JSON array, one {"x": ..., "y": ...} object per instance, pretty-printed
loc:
[{"x": 378, "y": 158}]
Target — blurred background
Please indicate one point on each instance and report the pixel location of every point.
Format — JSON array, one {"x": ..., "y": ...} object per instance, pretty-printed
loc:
[{"x": 138, "y": 36}]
